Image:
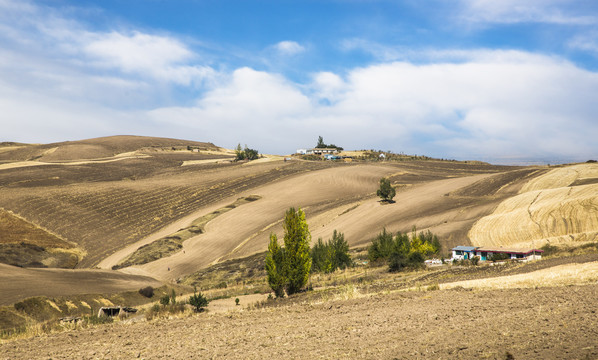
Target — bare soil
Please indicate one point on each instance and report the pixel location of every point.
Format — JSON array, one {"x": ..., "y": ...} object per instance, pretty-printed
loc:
[
  {"x": 19, "y": 283},
  {"x": 547, "y": 323}
]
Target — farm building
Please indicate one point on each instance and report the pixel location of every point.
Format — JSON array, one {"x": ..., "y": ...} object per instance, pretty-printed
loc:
[
  {"x": 518, "y": 254},
  {"x": 485, "y": 253},
  {"x": 317, "y": 151},
  {"x": 463, "y": 252}
]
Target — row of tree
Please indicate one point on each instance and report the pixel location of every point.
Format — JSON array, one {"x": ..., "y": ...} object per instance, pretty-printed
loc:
[
  {"x": 288, "y": 267},
  {"x": 401, "y": 251},
  {"x": 322, "y": 145}
]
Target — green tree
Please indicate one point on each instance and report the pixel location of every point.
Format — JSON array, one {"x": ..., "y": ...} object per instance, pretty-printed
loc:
[
  {"x": 381, "y": 246},
  {"x": 275, "y": 267},
  {"x": 250, "y": 154},
  {"x": 386, "y": 191},
  {"x": 288, "y": 268},
  {"x": 340, "y": 251},
  {"x": 320, "y": 143},
  {"x": 297, "y": 262},
  {"x": 240, "y": 154},
  {"x": 320, "y": 257},
  {"x": 198, "y": 301}
]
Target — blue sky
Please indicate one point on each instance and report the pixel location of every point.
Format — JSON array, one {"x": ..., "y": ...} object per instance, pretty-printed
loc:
[{"x": 503, "y": 81}]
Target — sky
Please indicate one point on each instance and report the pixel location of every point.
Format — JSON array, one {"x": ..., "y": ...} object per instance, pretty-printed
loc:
[{"x": 509, "y": 82}]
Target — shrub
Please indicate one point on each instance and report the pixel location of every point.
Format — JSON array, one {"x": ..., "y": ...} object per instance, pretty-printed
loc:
[
  {"x": 475, "y": 260},
  {"x": 198, "y": 301},
  {"x": 148, "y": 291},
  {"x": 173, "y": 297},
  {"x": 237, "y": 301},
  {"x": 549, "y": 249},
  {"x": 498, "y": 257},
  {"x": 165, "y": 300}
]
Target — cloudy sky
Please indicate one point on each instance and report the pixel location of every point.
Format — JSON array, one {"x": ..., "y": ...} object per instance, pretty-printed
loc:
[{"x": 510, "y": 81}]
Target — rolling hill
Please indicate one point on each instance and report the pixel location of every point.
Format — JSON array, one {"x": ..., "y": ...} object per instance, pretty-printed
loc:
[{"x": 109, "y": 196}]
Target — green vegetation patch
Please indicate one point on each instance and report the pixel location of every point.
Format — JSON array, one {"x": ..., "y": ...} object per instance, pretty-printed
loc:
[{"x": 173, "y": 243}]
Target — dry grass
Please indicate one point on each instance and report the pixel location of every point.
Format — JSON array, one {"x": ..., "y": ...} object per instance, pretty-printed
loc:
[
  {"x": 14, "y": 230},
  {"x": 562, "y": 275}
]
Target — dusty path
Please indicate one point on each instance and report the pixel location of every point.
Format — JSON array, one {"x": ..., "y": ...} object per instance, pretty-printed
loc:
[
  {"x": 548, "y": 323},
  {"x": 18, "y": 283}
]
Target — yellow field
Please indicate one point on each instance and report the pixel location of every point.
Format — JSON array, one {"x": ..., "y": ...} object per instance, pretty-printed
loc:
[{"x": 549, "y": 208}]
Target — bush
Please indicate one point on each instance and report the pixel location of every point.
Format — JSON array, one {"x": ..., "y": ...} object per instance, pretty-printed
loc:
[
  {"x": 498, "y": 257},
  {"x": 148, "y": 291},
  {"x": 165, "y": 300},
  {"x": 198, "y": 301},
  {"x": 549, "y": 249},
  {"x": 173, "y": 297}
]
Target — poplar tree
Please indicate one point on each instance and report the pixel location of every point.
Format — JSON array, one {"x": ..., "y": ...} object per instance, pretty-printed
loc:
[
  {"x": 296, "y": 245},
  {"x": 288, "y": 268},
  {"x": 274, "y": 267}
]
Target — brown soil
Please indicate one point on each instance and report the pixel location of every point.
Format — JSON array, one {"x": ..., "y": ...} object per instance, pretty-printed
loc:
[
  {"x": 96, "y": 148},
  {"x": 19, "y": 283},
  {"x": 547, "y": 323}
]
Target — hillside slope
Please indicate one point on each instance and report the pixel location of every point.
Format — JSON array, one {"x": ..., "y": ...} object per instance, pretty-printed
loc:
[
  {"x": 560, "y": 206},
  {"x": 97, "y": 148}
]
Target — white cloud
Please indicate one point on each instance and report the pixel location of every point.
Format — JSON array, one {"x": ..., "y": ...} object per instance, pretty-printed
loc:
[
  {"x": 509, "y": 105},
  {"x": 59, "y": 79},
  {"x": 534, "y": 11},
  {"x": 587, "y": 42},
  {"x": 289, "y": 48},
  {"x": 155, "y": 56},
  {"x": 379, "y": 51}
]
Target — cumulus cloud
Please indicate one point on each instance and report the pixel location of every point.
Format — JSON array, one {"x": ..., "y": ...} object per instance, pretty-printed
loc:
[
  {"x": 61, "y": 78},
  {"x": 498, "y": 105},
  {"x": 155, "y": 56},
  {"x": 289, "y": 48}
]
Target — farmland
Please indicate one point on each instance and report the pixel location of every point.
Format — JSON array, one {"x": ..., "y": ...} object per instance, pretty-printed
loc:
[{"x": 174, "y": 211}]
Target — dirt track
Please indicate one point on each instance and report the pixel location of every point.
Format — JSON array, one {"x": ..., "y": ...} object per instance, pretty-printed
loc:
[{"x": 548, "y": 323}]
